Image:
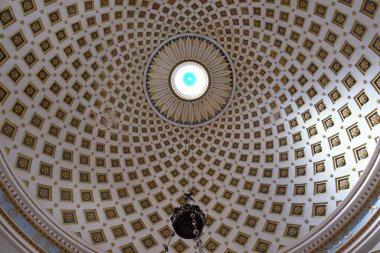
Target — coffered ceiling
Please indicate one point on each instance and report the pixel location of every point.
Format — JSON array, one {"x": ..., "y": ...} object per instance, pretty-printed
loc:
[{"x": 82, "y": 136}]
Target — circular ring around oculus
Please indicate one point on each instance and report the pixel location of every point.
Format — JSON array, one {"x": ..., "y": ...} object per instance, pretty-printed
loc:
[{"x": 189, "y": 80}]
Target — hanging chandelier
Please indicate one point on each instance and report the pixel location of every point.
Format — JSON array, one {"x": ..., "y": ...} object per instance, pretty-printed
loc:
[{"x": 188, "y": 221}]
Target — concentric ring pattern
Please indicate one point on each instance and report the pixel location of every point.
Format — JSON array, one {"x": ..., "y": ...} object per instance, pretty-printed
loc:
[
  {"x": 296, "y": 137},
  {"x": 158, "y": 80}
]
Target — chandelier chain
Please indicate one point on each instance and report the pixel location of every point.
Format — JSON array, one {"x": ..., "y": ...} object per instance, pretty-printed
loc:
[{"x": 188, "y": 161}]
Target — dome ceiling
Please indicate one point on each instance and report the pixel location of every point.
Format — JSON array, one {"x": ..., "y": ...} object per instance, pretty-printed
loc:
[{"x": 296, "y": 137}]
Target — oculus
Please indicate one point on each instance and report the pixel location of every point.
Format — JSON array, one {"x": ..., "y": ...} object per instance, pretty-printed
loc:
[{"x": 189, "y": 80}]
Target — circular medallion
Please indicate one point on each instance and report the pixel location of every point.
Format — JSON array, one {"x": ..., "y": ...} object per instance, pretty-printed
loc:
[{"x": 189, "y": 80}]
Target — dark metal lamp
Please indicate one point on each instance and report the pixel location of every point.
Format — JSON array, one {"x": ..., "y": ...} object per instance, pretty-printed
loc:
[{"x": 188, "y": 222}]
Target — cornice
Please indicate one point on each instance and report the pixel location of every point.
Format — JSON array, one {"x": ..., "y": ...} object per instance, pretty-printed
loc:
[{"x": 34, "y": 214}]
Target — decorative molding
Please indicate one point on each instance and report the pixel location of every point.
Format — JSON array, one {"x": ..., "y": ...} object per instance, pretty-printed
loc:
[
  {"x": 37, "y": 217},
  {"x": 16, "y": 236}
]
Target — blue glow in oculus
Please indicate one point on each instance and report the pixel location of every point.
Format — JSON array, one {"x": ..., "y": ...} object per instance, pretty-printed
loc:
[{"x": 189, "y": 79}]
